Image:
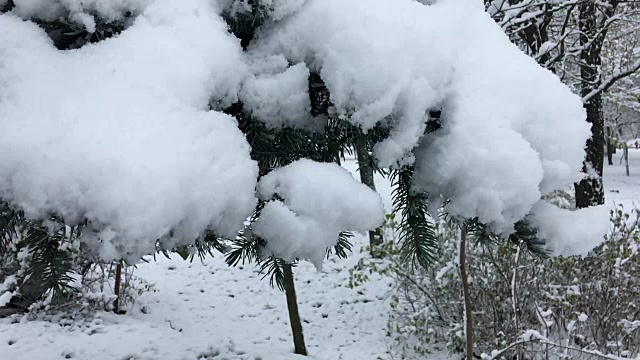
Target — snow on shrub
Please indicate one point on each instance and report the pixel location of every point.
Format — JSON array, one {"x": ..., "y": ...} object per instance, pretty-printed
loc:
[
  {"x": 511, "y": 131},
  {"x": 319, "y": 200},
  {"x": 120, "y": 132}
]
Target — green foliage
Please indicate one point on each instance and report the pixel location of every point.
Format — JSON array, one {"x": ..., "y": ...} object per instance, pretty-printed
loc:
[
  {"x": 40, "y": 254},
  {"x": 587, "y": 303},
  {"x": 418, "y": 240},
  {"x": 50, "y": 264},
  {"x": 10, "y": 221}
]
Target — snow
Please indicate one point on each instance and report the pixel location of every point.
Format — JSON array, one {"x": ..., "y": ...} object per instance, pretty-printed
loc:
[
  {"x": 499, "y": 182},
  {"x": 192, "y": 302},
  {"x": 203, "y": 309},
  {"x": 619, "y": 188},
  {"x": 279, "y": 100},
  {"x": 276, "y": 10},
  {"x": 197, "y": 310},
  {"x": 79, "y": 10},
  {"x": 570, "y": 232},
  {"x": 119, "y": 132},
  {"x": 279, "y": 9},
  {"x": 494, "y": 157},
  {"x": 400, "y": 78},
  {"x": 404, "y": 77},
  {"x": 5, "y": 294},
  {"x": 319, "y": 200},
  {"x": 578, "y": 232}
]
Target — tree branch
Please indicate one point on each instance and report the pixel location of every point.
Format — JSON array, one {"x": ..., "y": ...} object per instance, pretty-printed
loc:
[{"x": 611, "y": 80}]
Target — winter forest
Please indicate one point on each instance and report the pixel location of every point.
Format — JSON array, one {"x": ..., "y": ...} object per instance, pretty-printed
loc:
[{"x": 319, "y": 179}]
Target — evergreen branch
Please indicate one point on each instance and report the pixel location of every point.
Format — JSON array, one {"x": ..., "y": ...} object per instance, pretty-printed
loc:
[
  {"x": 419, "y": 241},
  {"x": 481, "y": 233},
  {"x": 50, "y": 266},
  {"x": 342, "y": 246},
  {"x": 527, "y": 236},
  {"x": 274, "y": 268},
  {"x": 10, "y": 221},
  {"x": 244, "y": 250}
]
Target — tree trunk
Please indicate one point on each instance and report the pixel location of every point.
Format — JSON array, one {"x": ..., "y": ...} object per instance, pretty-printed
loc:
[
  {"x": 590, "y": 191},
  {"x": 611, "y": 146},
  {"x": 468, "y": 319},
  {"x": 610, "y": 153},
  {"x": 366, "y": 177},
  {"x": 626, "y": 158},
  {"x": 294, "y": 315},
  {"x": 117, "y": 288}
]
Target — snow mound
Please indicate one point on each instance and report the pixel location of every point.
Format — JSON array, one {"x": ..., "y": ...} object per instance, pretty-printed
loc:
[
  {"x": 119, "y": 132},
  {"x": 319, "y": 200},
  {"x": 389, "y": 62},
  {"x": 495, "y": 156},
  {"x": 570, "y": 232},
  {"x": 275, "y": 10},
  {"x": 79, "y": 10},
  {"x": 281, "y": 99}
]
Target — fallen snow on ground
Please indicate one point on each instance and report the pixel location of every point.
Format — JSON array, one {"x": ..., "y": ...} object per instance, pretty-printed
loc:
[
  {"x": 213, "y": 312},
  {"x": 620, "y": 188},
  {"x": 204, "y": 309}
]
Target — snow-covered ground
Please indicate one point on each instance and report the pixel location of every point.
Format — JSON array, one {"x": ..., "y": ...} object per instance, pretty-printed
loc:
[
  {"x": 210, "y": 311},
  {"x": 620, "y": 188}
]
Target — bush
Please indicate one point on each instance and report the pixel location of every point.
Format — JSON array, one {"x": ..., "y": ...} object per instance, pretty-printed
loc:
[{"x": 524, "y": 305}]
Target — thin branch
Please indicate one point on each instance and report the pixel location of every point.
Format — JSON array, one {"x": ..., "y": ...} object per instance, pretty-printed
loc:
[{"x": 610, "y": 81}]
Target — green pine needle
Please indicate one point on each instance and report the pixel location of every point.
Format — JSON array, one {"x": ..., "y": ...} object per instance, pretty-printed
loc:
[{"x": 418, "y": 239}]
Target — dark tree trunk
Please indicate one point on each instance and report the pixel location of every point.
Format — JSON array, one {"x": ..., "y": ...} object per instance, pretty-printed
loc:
[
  {"x": 590, "y": 191},
  {"x": 610, "y": 152},
  {"x": 365, "y": 169},
  {"x": 466, "y": 292},
  {"x": 611, "y": 146},
  {"x": 117, "y": 288},
  {"x": 294, "y": 315}
]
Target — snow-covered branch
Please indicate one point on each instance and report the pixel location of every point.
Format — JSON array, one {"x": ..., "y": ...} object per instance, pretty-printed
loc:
[{"x": 612, "y": 80}]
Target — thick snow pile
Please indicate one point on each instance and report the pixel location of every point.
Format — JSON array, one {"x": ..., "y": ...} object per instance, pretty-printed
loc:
[
  {"x": 496, "y": 148},
  {"x": 511, "y": 131},
  {"x": 119, "y": 133},
  {"x": 377, "y": 59},
  {"x": 280, "y": 99},
  {"x": 79, "y": 10},
  {"x": 274, "y": 9},
  {"x": 319, "y": 200},
  {"x": 570, "y": 232}
]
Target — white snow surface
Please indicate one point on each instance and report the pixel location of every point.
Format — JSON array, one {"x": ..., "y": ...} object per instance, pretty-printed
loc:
[
  {"x": 391, "y": 61},
  {"x": 279, "y": 9},
  {"x": 199, "y": 310},
  {"x": 280, "y": 99},
  {"x": 319, "y": 200},
  {"x": 276, "y": 10},
  {"x": 570, "y": 232},
  {"x": 119, "y": 132},
  {"x": 79, "y": 10},
  {"x": 495, "y": 156}
]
